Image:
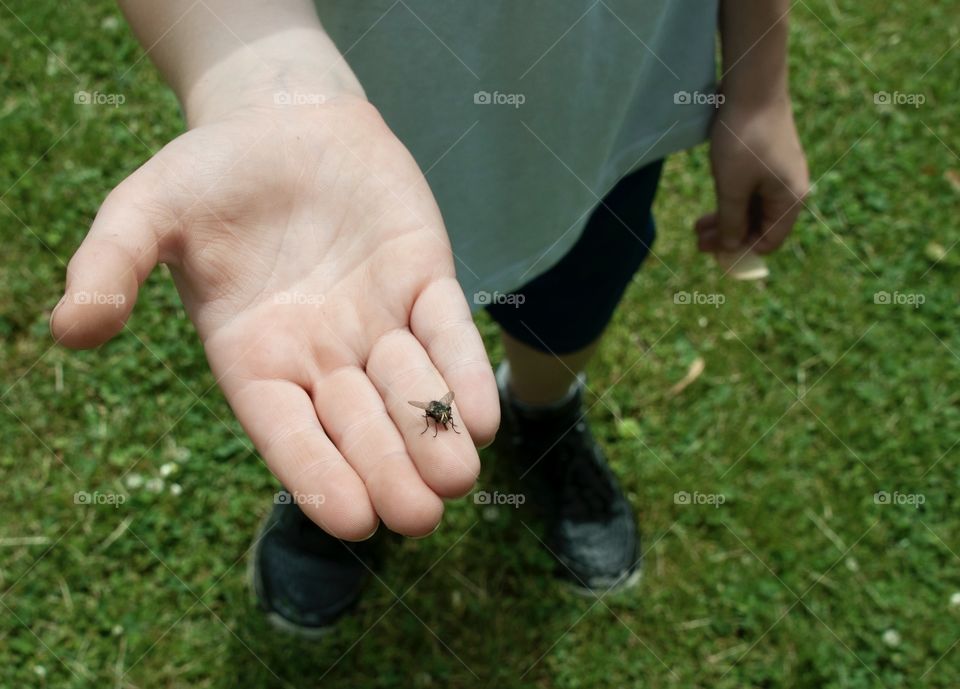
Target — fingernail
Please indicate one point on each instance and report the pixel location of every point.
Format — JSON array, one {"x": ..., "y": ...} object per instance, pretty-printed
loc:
[
  {"x": 372, "y": 534},
  {"x": 486, "y": 445},
  {"x": 427, "y": 535}
]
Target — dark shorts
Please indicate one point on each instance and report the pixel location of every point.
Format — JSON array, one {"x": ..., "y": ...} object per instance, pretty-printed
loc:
[{"x": 567, "y": 307}]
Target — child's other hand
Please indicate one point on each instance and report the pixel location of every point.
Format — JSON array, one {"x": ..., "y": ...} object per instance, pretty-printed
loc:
[
  {"x": 311, "y": 256},
  {"x": 760, "y": 175}
]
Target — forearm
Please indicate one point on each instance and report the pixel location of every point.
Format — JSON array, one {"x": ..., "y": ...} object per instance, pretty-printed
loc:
[
  {"x": 753, "y": 36},
  {"x": 222, "y": 54}
]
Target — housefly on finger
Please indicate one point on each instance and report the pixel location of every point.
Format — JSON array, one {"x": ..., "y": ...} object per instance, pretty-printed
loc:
[{"x": 439, "y": 411}]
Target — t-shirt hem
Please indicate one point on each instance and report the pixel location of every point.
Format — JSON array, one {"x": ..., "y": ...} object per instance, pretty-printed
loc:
[{"x": 639, "y": 154}]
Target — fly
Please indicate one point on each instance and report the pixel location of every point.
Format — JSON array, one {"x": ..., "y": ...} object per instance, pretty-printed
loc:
[{"x": 439, "y": 411}]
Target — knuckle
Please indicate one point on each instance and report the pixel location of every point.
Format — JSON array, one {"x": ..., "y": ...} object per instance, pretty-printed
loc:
[{"x": 292, "y": 441}]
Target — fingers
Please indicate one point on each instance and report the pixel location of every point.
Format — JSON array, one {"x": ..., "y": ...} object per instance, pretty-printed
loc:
[
  {"x": 352, "y": 411},
  {"x": 105, "y": 273},
  {"x": 708, "y": 235},
  {"x": 441, "y": 320},
  {"x": 781, "y": 208},
  {"x": 732, "y": 217},
  {"x": 402, "y": 371},
  {"x": 770, "y": 218},
  {"x": 281, "y": 421},
  {"x": 775, "y": 228}
]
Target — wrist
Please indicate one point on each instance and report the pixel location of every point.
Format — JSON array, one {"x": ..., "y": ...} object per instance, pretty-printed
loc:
[
  {"x": 765, "y": 85},
  {"x": 289, "y": 69},
  {"x": 746, "y": 104}
]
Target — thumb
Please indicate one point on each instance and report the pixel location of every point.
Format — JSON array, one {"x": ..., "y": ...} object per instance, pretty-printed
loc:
[
  {"x": 105, "y": 273},
  {"x": 732, "y": 218}
]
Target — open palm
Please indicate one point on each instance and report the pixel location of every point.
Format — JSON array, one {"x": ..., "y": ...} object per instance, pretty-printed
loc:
[{"x": 310, "y": 255}]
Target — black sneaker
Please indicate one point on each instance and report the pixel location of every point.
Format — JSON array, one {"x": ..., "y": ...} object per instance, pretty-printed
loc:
[
  {"x": 304, "y": 578},
  {"x": 590, "y": 526}
]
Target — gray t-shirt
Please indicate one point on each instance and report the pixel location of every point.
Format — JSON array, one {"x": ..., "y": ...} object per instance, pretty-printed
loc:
[{"x": 524, "y": 113}]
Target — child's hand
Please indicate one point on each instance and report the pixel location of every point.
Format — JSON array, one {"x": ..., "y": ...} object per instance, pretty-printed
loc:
[
  {"x": 310, "y": 255},
  {"x": 760, "y": 175}
]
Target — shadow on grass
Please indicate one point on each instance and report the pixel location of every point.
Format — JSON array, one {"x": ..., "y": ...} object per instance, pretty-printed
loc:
[{"x": 474, "y": 605}]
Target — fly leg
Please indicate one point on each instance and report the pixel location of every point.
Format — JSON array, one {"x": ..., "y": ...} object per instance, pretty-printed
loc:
[
  {"x": 454, "y": 427},
  {"x": 426, "y": 420}
]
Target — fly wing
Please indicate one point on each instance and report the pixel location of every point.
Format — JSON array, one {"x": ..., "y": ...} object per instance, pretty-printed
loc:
[
  {"x": 447, "y": 399},
  {"x": 420, "y": 405}
]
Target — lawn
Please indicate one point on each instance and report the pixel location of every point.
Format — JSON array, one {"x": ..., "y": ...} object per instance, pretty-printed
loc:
[{"x": 819, "y": 446}]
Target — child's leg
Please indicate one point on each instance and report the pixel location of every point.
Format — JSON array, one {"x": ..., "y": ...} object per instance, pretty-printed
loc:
[
  {"x": 538, "y": 378},
  {"x": 549, "y": 335}
]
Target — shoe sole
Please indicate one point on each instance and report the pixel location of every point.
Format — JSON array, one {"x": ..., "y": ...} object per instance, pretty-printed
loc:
[
  {"x": 620, "y": 585},
  {"x": 255, "y": 583}
]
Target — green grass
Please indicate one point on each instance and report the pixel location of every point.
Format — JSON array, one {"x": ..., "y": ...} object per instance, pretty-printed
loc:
[{"x": 155, "y": 588}]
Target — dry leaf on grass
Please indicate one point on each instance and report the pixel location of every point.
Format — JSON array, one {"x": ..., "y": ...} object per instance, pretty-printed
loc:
[
  {"x": 953, "y": 177},
  {"x": 693, "y": 372}
]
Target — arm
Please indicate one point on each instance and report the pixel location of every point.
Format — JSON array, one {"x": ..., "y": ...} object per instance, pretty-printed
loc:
[
  {"x": 759, "y": 168},
  {"x": 221, "y": 55},
  {"x": 310, "y": 255},
  {"x": 753, "y": 36}
]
